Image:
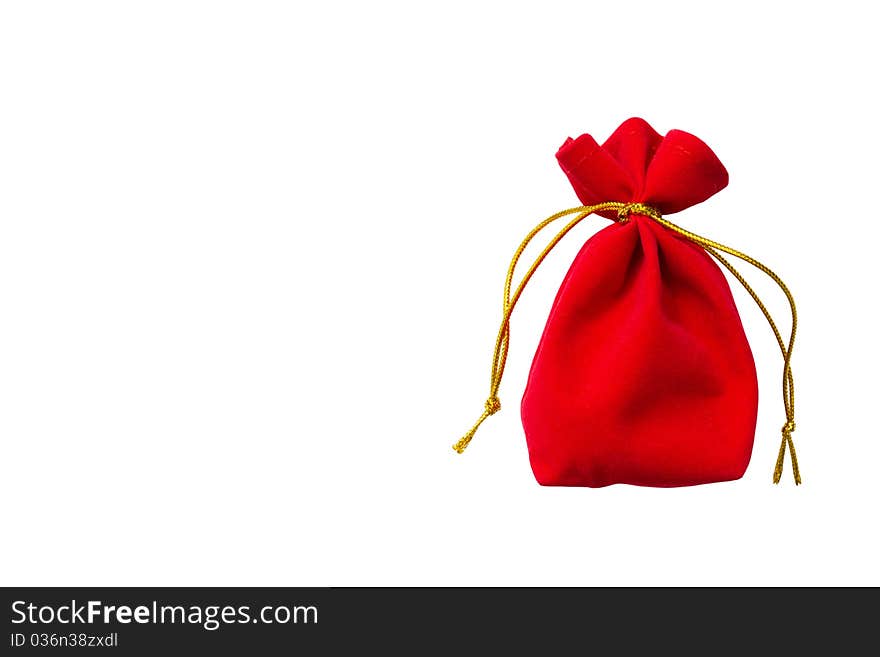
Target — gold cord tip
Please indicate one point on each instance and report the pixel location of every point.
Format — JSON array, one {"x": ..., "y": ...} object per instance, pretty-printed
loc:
[
  {"x": 462, "y": 444},
  {"x": 492, "y": 406},
  {"x": 780, "y": 458},
  {"x": 787, "y": 428}
]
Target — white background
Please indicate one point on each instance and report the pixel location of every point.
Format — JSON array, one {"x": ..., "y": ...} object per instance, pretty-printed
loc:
[{"x": 251, "y": 258}]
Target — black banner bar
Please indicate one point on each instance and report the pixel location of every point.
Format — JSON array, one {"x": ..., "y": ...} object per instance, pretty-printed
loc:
[{"x": 134, "y": 621}]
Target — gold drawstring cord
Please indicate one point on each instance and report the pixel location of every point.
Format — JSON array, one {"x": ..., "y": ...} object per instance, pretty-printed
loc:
[
  {"x": 712, "y": 248},
  {"x": 499, "y": 358}
]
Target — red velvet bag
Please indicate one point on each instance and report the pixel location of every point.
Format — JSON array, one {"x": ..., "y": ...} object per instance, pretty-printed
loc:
[{"x": 643, "y": 374}]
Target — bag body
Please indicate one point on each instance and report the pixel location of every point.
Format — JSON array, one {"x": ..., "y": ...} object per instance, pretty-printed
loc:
[{"x": 643, "y": 374}]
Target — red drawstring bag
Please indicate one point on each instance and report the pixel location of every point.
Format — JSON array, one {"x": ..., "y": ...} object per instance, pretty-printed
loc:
[{"x": 643, "y": 374}]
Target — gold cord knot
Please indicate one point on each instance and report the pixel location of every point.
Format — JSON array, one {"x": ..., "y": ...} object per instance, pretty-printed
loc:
[
  {"x": 787, "y": 428},
  {"x": 492, "y": 406},
  {"x": 636, "y": 208}
]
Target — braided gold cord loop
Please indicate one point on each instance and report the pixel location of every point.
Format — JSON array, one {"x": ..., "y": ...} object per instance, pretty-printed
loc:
[
  {"x": 624, "y": 211},
  {"x": 636, "y": 208}
]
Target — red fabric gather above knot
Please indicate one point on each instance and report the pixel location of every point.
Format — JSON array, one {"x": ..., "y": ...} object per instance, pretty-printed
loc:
[{"x": 636, "y": 164}]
